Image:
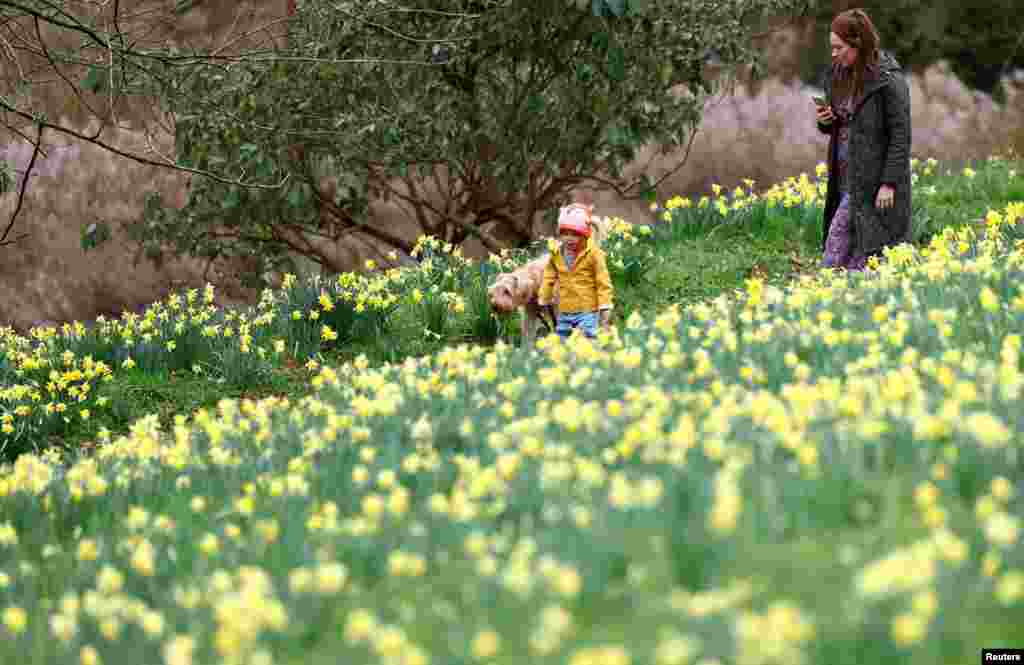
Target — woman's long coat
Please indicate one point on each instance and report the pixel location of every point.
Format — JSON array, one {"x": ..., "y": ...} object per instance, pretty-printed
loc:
[{"x": 879, "y": 153}]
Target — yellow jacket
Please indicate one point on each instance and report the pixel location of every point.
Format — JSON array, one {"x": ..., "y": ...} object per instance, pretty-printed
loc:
[{"x": 585, "y": 288}]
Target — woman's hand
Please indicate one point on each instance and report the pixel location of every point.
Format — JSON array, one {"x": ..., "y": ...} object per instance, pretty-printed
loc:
[
  {"x": 825, "y": 115},
  {"x": 885, "y": 198}
]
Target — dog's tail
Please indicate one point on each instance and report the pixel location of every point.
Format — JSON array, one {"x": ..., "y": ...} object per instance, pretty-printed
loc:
[{"x": 599, "y": 225}]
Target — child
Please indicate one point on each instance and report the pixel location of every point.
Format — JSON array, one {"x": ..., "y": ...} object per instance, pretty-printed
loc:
[{"x": 579, "y": 268}]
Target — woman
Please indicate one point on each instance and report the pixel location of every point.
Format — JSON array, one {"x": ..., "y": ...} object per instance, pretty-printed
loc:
[{"x": 868, "y": 123}]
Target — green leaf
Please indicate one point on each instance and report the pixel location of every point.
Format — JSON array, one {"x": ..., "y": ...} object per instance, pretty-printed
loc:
[
  {"x": 617, "y": 7},
  {"x": 93, "y": 80},
  {"x": 620, "y": 136},
  {"x": 589, "y": 89},
  {"x": 297, "y": 196},
  {"x": 617, "y": 63},
  {"x": 264, "y": 167},
  {"x": 233, "y": 199},
  {"x": 185, "y": 6},
  {"x": 647, "y": 192},
  {"x": 94, "y": 235}
]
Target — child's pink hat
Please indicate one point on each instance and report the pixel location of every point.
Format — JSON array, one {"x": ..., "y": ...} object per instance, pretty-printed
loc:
[{"x": 576, "y": 218}]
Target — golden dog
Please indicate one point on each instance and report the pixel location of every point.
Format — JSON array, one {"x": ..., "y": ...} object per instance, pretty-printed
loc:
[{"x": 517, "y": 290}]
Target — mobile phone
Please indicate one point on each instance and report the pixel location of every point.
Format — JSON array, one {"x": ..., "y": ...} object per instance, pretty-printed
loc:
[{"x": 820, "y": 101}]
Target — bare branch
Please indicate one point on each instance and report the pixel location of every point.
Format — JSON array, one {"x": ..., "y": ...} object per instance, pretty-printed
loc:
[
  {"x": 418, "y": 203},
  {"x": 130, "y": 53},
  {"x": 13, "y": 57},
  {"x": 77, "y": 26},
  {"x": 429, "y": 12},
  {"x": 167, "y": 163},
  {"x": 234, "y": 24},
  {"x": 110, "y": 77},
  {"x": 675, "y": 169},
  {"x": 247, "y": 33},
  {"x": 403, "y": 37},
  {"x": 27, "y": 139},
  {"x": 248, "y": 59},
  {"x": 21, "y": 193},
  {"x": 74, "y": 88}
]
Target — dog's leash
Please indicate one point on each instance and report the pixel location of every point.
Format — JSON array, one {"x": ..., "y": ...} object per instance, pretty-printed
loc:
[{"x": 547, "y": 317}]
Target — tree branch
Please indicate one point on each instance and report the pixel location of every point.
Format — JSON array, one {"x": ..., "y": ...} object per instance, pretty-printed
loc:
[
  {"x": 74, "y": 88},
  {"x": 21, "y": 193},
  {"x": 624, "y": 191},
  {"x": 77, "y": 26},
  {"x": 391, "y": 31},
  {"x": 141, "y": 160},
  {"x": 420, "y": 202}
]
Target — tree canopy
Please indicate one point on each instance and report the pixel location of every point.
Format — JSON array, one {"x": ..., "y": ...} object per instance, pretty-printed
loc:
[{"x": 476, "y": 116}]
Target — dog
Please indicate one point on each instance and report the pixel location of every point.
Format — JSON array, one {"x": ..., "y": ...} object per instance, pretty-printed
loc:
[{"x": 517, "y": 290}]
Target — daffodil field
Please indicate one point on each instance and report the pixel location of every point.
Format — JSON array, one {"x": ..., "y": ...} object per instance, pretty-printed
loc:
[{"x": 827, "y": 471}]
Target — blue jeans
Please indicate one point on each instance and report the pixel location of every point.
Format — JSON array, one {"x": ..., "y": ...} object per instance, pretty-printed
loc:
[{"x": 585, "y": 321}]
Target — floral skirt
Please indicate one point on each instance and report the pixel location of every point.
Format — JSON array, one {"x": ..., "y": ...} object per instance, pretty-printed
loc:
[{"x": 839, "y": 244}]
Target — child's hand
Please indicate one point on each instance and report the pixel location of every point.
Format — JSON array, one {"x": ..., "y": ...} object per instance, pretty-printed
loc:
[{"x": 605, "y": 316}]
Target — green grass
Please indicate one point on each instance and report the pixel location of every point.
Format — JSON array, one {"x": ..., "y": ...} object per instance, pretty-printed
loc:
[
  {"x": 804, "y": 528},
  {"x": 695, "y": 262},
  {"x": 959, "y": 198},
  {"x": 138, "y": 393},
  {"x": 703, "y": 268}
]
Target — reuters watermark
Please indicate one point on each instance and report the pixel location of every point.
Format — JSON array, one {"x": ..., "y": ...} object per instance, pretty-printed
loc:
[{"x": 1008, "y": 656}]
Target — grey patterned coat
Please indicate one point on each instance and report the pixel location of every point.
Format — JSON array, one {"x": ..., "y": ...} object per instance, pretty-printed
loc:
[{"x": 879, "y": 154}]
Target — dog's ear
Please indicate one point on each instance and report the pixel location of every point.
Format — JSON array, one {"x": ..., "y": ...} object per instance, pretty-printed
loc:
[{"x": 600, "y": 229}]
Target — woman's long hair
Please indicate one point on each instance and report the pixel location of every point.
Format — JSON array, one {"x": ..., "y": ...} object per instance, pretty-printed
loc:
[{"x": 856, "y": 29}]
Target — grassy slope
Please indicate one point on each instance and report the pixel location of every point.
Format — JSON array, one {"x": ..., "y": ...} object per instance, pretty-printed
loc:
[
  {"x": 692, "y": 270},
  {"x": 689, "y": 272}
]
